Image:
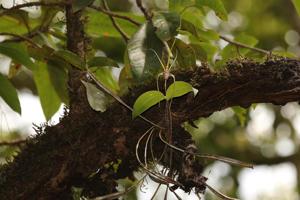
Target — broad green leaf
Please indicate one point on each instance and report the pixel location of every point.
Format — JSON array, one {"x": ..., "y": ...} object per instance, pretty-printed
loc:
[
  {"x": 9, "y": 24},
  {"x": 113, "y": 47},
  {"x": 179, "y": 88},
  {"x": 71, "y": 58},
  {"x": 146, "y": 101},
  {"x": 18, "y": 53},
  {"x": 96, "y": 97},
  {"x": 59, "y": 78},
  {"x": 231, "y": 51},
  {"x": 297, "y": 5},
  {"x": 179, "y": 5},
  {"x": 102, "y": 62},
  {"x": 186, "y": 57},
  {"x": 49, "y": 98},
  {"x": 141, "y": 50},
  {"x": 104, "y": 75},
  {"x": 9, "y": 94},
  {"x": 166, "y": 24},
  {"x": 215, "y": 5},
  {"x": 80, "y": 4}
]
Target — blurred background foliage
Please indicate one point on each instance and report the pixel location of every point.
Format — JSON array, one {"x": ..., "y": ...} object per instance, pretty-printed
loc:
[{"x": 266, "y": 135}]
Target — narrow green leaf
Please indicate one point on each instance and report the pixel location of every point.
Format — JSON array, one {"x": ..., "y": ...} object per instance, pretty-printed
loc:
[
  {"x": 166, "y": 24},
  {"x": 179, "y": 88},
  {"x": 96, "y": 97},
  {"x": 216, "y": 5},
  {"x": 49, "y": 98},
  {"x": 141, "y": 47},
  {"x": 105, "y": 76},
  {"x": 80, "y": 4},
  {"x": 297, "y": 5},
  {"x": 146, "y": 101},
  {"x": 102, "y": 62},
  {"x": 9, "y": 94},
  {"x": 71, "y": 58},
  {"x": 18, "y": 53}
]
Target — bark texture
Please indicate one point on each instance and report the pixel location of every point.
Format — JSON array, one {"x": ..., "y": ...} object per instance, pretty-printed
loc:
[{"x": 65, "y": 155}]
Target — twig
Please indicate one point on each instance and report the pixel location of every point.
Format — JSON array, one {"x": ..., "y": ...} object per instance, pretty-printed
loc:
[
  {"x": 143, "y": 9},
  {"x": 115, "y": 24},
  {"x": 31, "y": 4},
  {"x": 12, "y": 143},
  {"x": 20, "y": 37},
  {"x": 112, "y": 14},
  {"x": 245, "y": 46},
  {"x": 116, "y": 97}
]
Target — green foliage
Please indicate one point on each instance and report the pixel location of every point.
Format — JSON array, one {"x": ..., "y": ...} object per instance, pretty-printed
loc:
[
  {"x": 49, "y": 98},
  {"x": 141, "y": 50},
  {"x": 146, "y": 101},
  {"x": 9, "y": 94},
  {"x": 166, "y": 24},
  {"x": 104, "y": 75},
  {"x": 71, "y": 58},
  {"x": 216, "y": 5},
  {"x": 96, "y": 97},
  {"x": 18, "y": 53},
  {"x": 153, "y": 97},
  {"x": 179, "y": 88},
  {"x": 102, "y": 62},
  {"x": 79, "y": 4},
  {"x": 297, "y": 5}
]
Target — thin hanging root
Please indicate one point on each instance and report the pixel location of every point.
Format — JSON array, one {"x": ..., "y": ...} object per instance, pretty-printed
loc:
[
  {"x": 209, "y": 156},
  {"x": 152, "y": 174},
  {"x": 166, "y": 193},
  {"x": 155, "y": 191},
  {"x": 146, "y": 147},
  {"x": 219, "y": 194},
  {"x": 176, "y": 195}
]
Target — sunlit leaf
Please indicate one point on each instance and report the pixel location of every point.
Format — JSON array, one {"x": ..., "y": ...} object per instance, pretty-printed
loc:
[
  {"x": 102, "y": 62},
  {"x": 49, "y": 98},
  {"x": 179, "y": 88},
  {"x": 141, "y": 50},
  {"x": 166, "y": 24},
  {"x": 18, "y": 53},
  {"x": 146, "y": 101},
  {"x": 71, "y": 58},
  {"x": 96, "y": 97},
  {"x": 9, "y": 94},
  {"x": 297, "y": 5},
  {"x": 105, "y": 76},
  {"x": 216, "y": 5}
]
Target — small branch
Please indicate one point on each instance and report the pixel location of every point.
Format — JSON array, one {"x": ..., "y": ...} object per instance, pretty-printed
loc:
[
  {"x": 143, "y": 9},
  {"x": 12, "y": 143},
  {"x": 115, "y": 24},
  {"x": 31, "y": 4},
  {"x": 238, "y": 44},
  {"x": 20, "y": 37},
  {"x": 112, "y": 14}
]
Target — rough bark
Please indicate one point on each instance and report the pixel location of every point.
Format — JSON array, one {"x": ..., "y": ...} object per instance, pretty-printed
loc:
[{"x": 66, "y": 154}]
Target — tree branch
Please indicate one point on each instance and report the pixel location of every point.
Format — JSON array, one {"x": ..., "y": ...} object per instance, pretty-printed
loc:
[
  {"x": 112, "y": 14},
  {"x": 20, "y": 37},
  {"x": 12, "y": 143},
  {"x": 66, "y": 154},
  {"x": 143, "y": 9},
  {"x": 238, "y": 44},
  {"x": 31, "y": 4},
  {"x": 115, "y": 24}
]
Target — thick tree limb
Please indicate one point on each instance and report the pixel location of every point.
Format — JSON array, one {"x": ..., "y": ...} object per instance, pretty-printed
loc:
[{"x": 66, "y": 155}]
